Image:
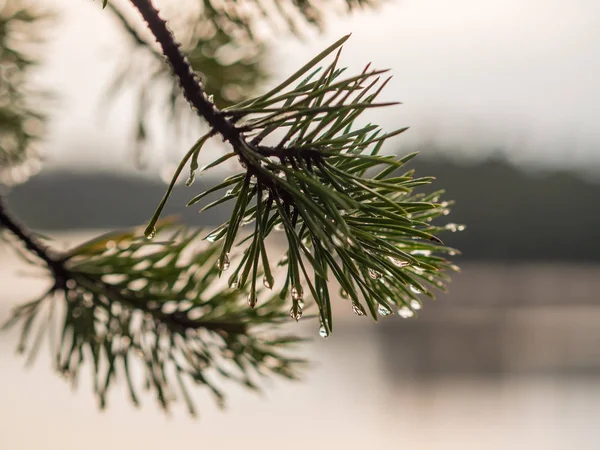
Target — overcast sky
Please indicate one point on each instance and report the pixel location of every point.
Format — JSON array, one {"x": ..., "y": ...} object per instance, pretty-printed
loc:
[{"x": 472, "y": 75}]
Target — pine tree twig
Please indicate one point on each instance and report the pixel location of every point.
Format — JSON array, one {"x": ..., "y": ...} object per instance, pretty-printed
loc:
[
  {"x": 192, "y": 86},
  {"x": 34, "y": 245},
  {"x": 370, "y": 231},
  {"x": 132, "y": 301}
]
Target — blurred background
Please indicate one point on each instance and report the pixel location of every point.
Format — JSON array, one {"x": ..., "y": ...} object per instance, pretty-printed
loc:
[{"x": 502, "y": 100}]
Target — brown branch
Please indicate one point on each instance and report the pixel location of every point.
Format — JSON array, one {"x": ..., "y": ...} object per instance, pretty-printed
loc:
[
  {"x": 33, "y": 244},
  {"x": 192, "y": 86}
]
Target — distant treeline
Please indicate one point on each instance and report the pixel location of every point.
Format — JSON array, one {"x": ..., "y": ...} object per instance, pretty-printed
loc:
[{"x": 511, "y": 215}]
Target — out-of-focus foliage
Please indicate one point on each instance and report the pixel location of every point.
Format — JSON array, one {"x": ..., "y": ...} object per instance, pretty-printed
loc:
[
  {"x": 21, "y": 119},
  {"x": 323, "y": 181},
  {"x": 155, "y": 314},
  {"x": 230, "y": 68},
  {"x": 225, "y": 44}
]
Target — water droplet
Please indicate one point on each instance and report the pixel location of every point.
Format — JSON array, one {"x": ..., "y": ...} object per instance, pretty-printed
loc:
[
  {"x": 351, "y": 242},
  {"x": 150, "y": 232},
  {"x": 223, "y": 263},
  {"x": 278, "y": 227},
  {"x": 296, "y": 315},
  {"x": 383, "y": 310},
  {"x": 415, "y": 289},
  {"x": 421, "y": 252},
  {"x": 297, "y": 294},
  {"x": 88, "y": 300},
  {"x": 211, "y": 98},
  {"x": 374, "y": 274},
  {"x": 211, "y": 237},
  {"x": 462, "y": 227},
  {"x": 451, "y": 227},
  {"x": 110, "y": 245},
  {"x": 323, "y": 331},
  {"x": 452, "y": 253},
  {"x": 405, "y": 312},
  {"x": 343, "y": 293},
  {"x": 398, "y": 262},
  {"x": 415, "y": 304},
  {"x": 267, "y": 283},
  {"x": 251, "y": 300},
  {"x": 446, "y": 212},
  {"x": 125, "y": 342},
  {"x": 234, "y": 284},
  {"x": 71, "y": 284},
  {"x": 190, "y": 180},
  {"x": 357, "y": 309},
  {"x": 444, "y": 204},
  {"x": 336, "y": 241}
]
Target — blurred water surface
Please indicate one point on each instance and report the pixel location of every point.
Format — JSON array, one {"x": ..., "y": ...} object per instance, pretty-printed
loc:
[{"x": 509, "y": 359}]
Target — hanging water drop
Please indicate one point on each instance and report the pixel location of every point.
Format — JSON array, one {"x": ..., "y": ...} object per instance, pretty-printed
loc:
[
  {"x": 267, "y": 283},
  {"x": 223, "y": 263},
  {"x": 150, "y": 232},
  {"x": 462, "y": 228},
  {"x": 323, "y": 331},
  {"x": 383, "y": 310},
  {"x": 415, "y": 289},
  {"x": 190, "y": 180},
  {"x": 415, "y": 304},
  {"x": 251, "y": 300},
  {"x": 343, "y": 293},
  {"x": 405, "y": 312},
  {"x": 398, "y": 262},
  {"x": 374, "y": 274},
  {"x": 234, "y": 284},
  {"x": 336, "y": 241},
  {"x": 211, "y": 237},
  {"x": 452, "y": 227},
  {"x": 296, "y": 315},
  {"x": 357, "y": 309},
  {"x": 297, "y": 294}
]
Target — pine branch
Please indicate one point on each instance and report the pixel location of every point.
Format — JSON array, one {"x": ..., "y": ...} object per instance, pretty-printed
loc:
[
  {"x": 33, "y": 244},
  {"x": 313, "y": 183},
  {"x": 129, "y": 301},
  {"x": 190, "y": 83}
]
